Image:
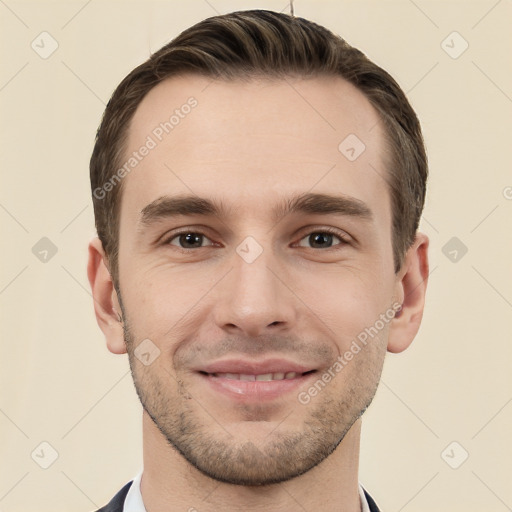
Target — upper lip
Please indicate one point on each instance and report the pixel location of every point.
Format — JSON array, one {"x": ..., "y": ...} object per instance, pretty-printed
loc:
[{"x": 247, "y": 367}]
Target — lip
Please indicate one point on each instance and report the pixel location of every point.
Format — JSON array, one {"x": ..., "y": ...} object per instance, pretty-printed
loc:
[{"x": 254, "y": 391}]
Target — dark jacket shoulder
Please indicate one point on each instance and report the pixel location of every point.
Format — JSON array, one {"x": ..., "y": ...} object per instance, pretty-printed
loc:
[
  {"x": 116, "y": 504},
  {"x": 371, "y": 502}
]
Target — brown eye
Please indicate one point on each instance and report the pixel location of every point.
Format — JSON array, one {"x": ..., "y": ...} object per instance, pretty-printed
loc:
[
  {"x": 321, "y": 240},
  {"x": 188, "y": 240}
]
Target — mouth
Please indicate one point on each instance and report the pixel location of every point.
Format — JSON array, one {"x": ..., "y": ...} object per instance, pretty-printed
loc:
[
  {"x": 262, "y": 377},
  {"x": 247, "y": 382}
]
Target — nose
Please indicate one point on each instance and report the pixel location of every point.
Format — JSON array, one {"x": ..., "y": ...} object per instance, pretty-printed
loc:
[{"x": 255, "y": 298}]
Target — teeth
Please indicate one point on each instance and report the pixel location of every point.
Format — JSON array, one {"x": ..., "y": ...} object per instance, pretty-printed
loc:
[
  {"x": 261, "y": 377},
  {"x": 265, "y": 376}
]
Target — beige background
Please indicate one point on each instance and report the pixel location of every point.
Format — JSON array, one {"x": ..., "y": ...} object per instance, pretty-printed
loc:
[{"x": 58, "y": 382}]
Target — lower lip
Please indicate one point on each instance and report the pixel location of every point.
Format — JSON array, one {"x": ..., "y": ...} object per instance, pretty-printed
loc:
[{"x": 255, "y": 390}]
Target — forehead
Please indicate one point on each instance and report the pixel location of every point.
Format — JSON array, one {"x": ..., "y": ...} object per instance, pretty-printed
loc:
[{"x": 248, "y": 143}]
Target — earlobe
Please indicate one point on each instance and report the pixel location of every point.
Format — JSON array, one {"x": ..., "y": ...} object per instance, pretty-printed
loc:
[
  {"x": 106, "y": 305},
  {"x": 411, "y": 288}
]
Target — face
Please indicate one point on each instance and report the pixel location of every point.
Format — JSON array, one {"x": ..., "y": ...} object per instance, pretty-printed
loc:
[{"x": 253, "y": 255}]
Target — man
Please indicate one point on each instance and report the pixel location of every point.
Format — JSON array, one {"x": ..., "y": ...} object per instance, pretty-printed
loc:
[{"x": 257, "y": 187}]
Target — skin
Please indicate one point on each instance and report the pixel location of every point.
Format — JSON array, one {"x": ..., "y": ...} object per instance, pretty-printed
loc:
[{"x": 249, "y": 145}]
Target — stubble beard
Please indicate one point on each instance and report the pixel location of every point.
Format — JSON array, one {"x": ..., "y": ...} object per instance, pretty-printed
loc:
[{"x": 285, "y": 453}]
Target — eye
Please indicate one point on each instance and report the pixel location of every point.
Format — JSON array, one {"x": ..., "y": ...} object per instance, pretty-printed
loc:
[
  {"x": 323, "y": 239},
  {"x": 320, "y": 239},
  {"x": 188, "y": 240}
]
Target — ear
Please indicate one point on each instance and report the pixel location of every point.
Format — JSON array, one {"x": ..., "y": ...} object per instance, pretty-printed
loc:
[
  {"x": 106, "y": 304},
  {"x": 411, "y": 286}
]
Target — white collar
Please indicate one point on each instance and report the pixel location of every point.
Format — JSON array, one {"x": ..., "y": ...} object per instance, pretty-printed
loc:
[
  {"x": 364, "y": 502},
  {"x": 134, "y": 503}
]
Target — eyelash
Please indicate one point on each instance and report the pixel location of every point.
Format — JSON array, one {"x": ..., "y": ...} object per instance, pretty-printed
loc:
[{"x": 343, "y": 238}]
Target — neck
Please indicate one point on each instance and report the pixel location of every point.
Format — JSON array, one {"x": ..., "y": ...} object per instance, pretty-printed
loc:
[{"x": 170, "y": 482}]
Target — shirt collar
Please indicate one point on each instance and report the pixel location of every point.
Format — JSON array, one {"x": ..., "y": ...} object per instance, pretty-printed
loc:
[{"x": 134, "y": 503}]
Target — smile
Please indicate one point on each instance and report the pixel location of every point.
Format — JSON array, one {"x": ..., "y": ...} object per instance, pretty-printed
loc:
[
  {"x": 255, "y": 387},
  {"x": 260, "y": 377}
]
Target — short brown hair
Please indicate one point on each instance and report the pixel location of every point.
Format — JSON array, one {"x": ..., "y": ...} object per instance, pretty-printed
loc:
[{"x": 253, "y": 43}]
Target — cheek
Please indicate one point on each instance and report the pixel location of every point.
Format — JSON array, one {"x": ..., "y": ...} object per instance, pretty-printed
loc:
[
  {"x": 159, "y": 292},
  {"x": 346, "y": 300},
  {"x": 164, "y": 304},
  {"x": 361, "y": 359}
]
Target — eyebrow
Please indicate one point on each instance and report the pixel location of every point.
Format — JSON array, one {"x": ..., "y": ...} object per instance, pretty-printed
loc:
[{"x": 324, "y": 204}]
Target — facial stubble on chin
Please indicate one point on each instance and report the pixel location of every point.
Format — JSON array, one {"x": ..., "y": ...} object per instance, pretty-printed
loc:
[{"x": 210, "y": 446}]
